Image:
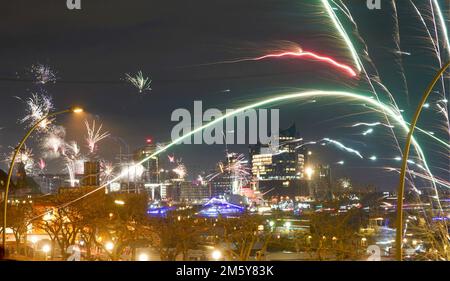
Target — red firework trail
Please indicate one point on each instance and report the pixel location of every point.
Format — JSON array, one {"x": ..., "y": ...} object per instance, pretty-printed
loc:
[{"x": 299, "y": 54}]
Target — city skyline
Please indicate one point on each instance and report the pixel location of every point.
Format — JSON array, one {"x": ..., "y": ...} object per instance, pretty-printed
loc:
[
  {"x": 224, "y": 130},
  {"x": 185, "y": 78}
]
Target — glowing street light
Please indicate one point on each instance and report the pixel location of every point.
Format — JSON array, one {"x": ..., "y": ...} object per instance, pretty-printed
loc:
[
  {"x": 287, "y": 225},
  {"x": 77, "y": 109},
  {"x": 143, "y": 257},
  {"x": 109, "y": 246},
  {"x": 309, "y": 172},
  {"x": 46, "y": 249},
  {"x": 119, "y": 202},
  {"x": 216, "y": 255},
  {"x": 33, "y": 240}
]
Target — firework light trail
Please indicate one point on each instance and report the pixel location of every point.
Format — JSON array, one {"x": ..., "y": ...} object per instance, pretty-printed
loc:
[
  {"x": 42, "y": 164},
  {"x": 372, "y": 124},
  {"x": 439, "y": 181},
  {"x": 139, "y": 81},
  {"x": 342, "y": 146},
  {"x": 295, "y": 54},
  {"x": 266, "y": 102},
  {"x": 376, "y": 78},
  {"x": 94, "y": 135},
  {"x": 344, "y": 35},
  {"x": 443, "y": 25}
]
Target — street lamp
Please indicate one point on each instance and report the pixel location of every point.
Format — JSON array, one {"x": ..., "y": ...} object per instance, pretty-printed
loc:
[
  {"x": 216, "y": 255},
  {"x": 109, "y": 246},
  {"x": 74, "y": 109},
  {"x": 309, "y": 172},
  {"x": 401, "y": 186},
  {"x": 119, "y": 202},
  {"x": 143, "y": 257},
  {"x": 46, "y": 249}
]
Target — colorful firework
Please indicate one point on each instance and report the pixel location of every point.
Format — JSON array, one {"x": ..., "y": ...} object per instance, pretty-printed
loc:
[
  {"x": 343, "y": 33},
  {"x": 297, "y": 54},
  {"x": 139, "y": 81},
  {"x": 94, "y": 135},
  {"x": 379, "y": 107},
  {"x": 42, "y": 164}
]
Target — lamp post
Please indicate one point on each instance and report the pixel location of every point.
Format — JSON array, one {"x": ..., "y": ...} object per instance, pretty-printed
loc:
[
  {"x": 16, "y": 152},
  {"x": 401, "y": 186}
]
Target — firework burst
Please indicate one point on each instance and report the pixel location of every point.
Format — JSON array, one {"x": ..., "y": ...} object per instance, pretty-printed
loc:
[
  {"x": 106, "y": 171},
  {"x": 139, "y": 81},
  {"x": 25, "y": 156},
  {"x": 238, "y": 167},
  {"x": 180, "y": 170},
  {"x": 43, "y": 74},
  {"x": 53, "y": 142},
  {"x": 37, "y": 107},
  {"x": 94, "y": 135}
]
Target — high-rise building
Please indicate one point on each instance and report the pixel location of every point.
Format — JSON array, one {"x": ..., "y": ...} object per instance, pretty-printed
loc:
[
  {"x": 151, "y": 172},
  {"x": 280, "y": 169},
  {"x": 91, "y": 173},
  {"x": 220, "y": 185},
  {"x": 320, "y": 182}
]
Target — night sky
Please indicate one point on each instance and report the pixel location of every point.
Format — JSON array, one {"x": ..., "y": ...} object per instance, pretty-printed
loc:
[{"x": 92, "y": 49}]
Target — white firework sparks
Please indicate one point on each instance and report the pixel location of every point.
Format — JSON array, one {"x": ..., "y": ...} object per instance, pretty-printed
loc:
[
  {"x": 72, "y": 150},
  {"x": 368, "y": 131},
  {"x": 238, "y": 167},
  {"x": 372, "y": 124},
  {"x": 180, "y": 170},
  {"x": 25, "y": 156},
  {"x": 139, "y": 81},
  {"x": 37, "y": 107},
  {"x": 53, "y": 143},
  {"x": 43, "y": 73},
  {"x": 94, "y": 135},
  {"x": 106, "y": 171},
  {"x": 342, "y": 146}
]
